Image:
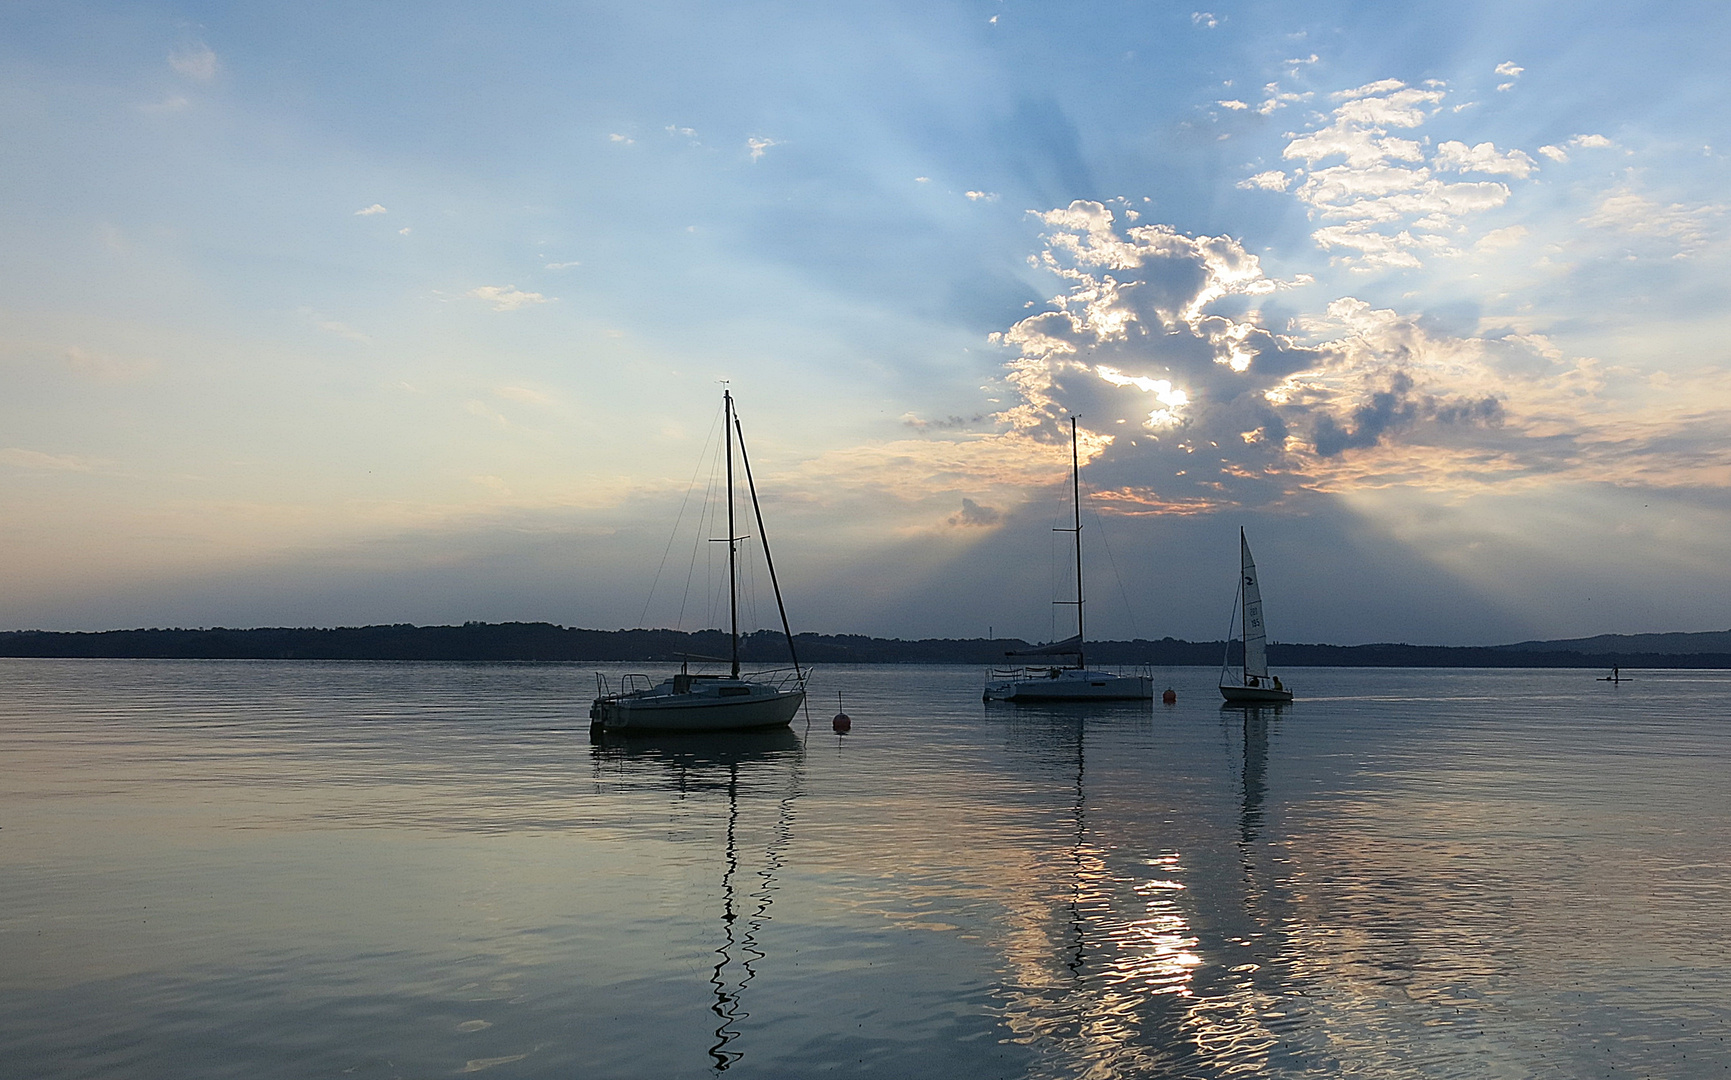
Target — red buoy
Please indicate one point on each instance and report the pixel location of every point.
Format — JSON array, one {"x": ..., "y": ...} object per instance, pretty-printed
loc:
[{"x": 1170, "y": 697}]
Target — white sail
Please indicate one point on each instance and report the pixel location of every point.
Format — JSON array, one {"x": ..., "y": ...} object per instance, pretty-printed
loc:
[{"x": 1255, "y": 637}]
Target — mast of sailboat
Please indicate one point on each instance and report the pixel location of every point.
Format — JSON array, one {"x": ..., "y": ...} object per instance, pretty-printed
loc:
[
  {"x": 1244, "y": 611},
  {"x": 732, "y": 536},
  {"x": 1076, "y": 496}
]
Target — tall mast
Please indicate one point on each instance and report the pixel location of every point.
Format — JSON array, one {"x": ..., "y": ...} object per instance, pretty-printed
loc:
[
  {"x": 1076, "y": 494},
  {"x": 732, "y": 535},
  {"x": 1244, "y": 613}
]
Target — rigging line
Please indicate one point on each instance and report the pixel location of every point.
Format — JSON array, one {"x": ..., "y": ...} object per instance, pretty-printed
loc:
[
  {"x": 768, "y": 562},
  {"x": 1112, "y": 561},
  {"x": 705, "y": 513},
  {"x": 708, "y": 441},
  {"x": 1232, "y": 624}
]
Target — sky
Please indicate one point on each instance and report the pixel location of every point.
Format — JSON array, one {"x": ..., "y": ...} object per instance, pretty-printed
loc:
[{"x": 325, "y": 314}]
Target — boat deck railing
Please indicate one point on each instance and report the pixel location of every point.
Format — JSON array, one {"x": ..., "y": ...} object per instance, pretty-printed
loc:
[
  {"x": 783, "y": 679},
  {"x": 1051, "y": 671}
]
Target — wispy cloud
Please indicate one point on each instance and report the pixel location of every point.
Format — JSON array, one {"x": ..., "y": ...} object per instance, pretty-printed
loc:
[
  {"x": 1510, "y": 71},
  {"x": 103, "y": 367},
  {"x": 336, "y": 328},
  {"x": 195, "y": 62},
  {"x": 1680, "y": 228},
  {"x": 757, "y": 145},
  {"x": 369, "y": 211},
  {"x": 36, "y": 461},
  {"x": 1380, "y": 195},
  {"x": 524, "y": 395},
  {"x": 506, "y": 297}
]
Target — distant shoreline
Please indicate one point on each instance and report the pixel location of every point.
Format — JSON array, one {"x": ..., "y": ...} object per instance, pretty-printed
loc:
[{"x": 546, "y": 642}]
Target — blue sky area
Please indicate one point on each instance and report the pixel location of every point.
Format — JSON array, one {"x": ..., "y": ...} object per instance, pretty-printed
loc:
[{"x": 322, "y": 314}]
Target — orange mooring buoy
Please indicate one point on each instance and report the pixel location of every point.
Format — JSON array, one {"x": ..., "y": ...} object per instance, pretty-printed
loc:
[
  {"x": 1170, "y": 697},
  {"x": 842, "y": 722}
]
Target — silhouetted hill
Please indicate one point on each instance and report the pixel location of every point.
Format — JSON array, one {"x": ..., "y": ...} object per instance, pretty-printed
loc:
[
  {"x": 546, "y": 642},
  {"x": 1712, "y": 641}
]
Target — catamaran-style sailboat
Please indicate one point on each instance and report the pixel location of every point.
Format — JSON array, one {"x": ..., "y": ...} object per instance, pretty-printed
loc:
[
  {"x": 699, "y": 702},
  {"x": 1254, "y": 685},
  {"x": 1068, "y": 681}
]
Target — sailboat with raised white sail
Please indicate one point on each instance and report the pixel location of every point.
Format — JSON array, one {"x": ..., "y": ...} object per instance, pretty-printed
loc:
[
  {"x": 1065, "y": 675},
  {"x": 703, "y": 702},
  {"x": 1254, "y": 686}
]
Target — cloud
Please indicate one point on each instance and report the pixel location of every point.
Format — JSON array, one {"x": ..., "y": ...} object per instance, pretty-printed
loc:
[
  {"x": 1555, "y": 153},
  {"x": 1381, "y": 198},
  {"x": 172, "y": 103},
  {"x": 982, "y": 196},
  {"x": 757, "y": 145},
  {"x": 1498, "y": 239},
  {"x": 1682, "y": 229},
  {"x": 563, "y": 265},
  {"x": 1234, "y": 105},
  {"x": 1204, "y": 19},
  {"x": 342, "y": 330},
  {"x": 100, "y": 367},
  {"x": 1511, "y": 71},
  {"x": 506, "y": 297},
  {"x": 1189, "y": 408},
  {"x": 194, "y": 62},
  {"x": 1590, "y": 142},
  {"x": 972, "y": 515},
  {"x": 524, "y": 395},
  {"x": 1273, "y": 180},
  {"x": 1483, "y": 158},
  {"x": 624, "y": 139},
  {"x": 369, "y": 211},
  {"x": 1274, "y": 99},
  {"x": 37, "y": 461}
]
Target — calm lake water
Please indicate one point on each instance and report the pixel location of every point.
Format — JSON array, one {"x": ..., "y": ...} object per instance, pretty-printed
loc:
[{"x": 260, "y": 869}]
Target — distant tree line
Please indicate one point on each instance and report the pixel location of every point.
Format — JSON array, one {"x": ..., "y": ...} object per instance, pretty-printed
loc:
[{"x": 514, "y": 641}]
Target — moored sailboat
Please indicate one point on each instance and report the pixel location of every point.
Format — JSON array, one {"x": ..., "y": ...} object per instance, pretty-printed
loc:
[
  {"x": 704, "y": 702},
  {"x": 1254, "y": 685},
  {"x": 1065, "y": 676}
]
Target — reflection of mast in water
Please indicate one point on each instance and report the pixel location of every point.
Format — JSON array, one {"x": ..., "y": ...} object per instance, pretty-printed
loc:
[
  {"x": 1095, "y": 989},
  {"x": 692, "y": 762},
  {"x": 1077, "y": 855},
  {"x": 728, "y": 1001}
]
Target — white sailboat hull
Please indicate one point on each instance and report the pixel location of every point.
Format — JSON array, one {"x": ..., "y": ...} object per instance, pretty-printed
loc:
[
  {"x": 1071, "y": 684},
  {"x": 764, "y": 707}
]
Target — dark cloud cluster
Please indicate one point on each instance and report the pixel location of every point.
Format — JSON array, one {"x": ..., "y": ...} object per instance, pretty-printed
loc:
[{"x": 1159, "y": 345}]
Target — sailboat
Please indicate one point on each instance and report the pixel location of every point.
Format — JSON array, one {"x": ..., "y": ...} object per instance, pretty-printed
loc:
[
  {"x": 1254, "y": 685},
  {"x": 1065, "y": 676},
  {"x": 702, "y": 702}
]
